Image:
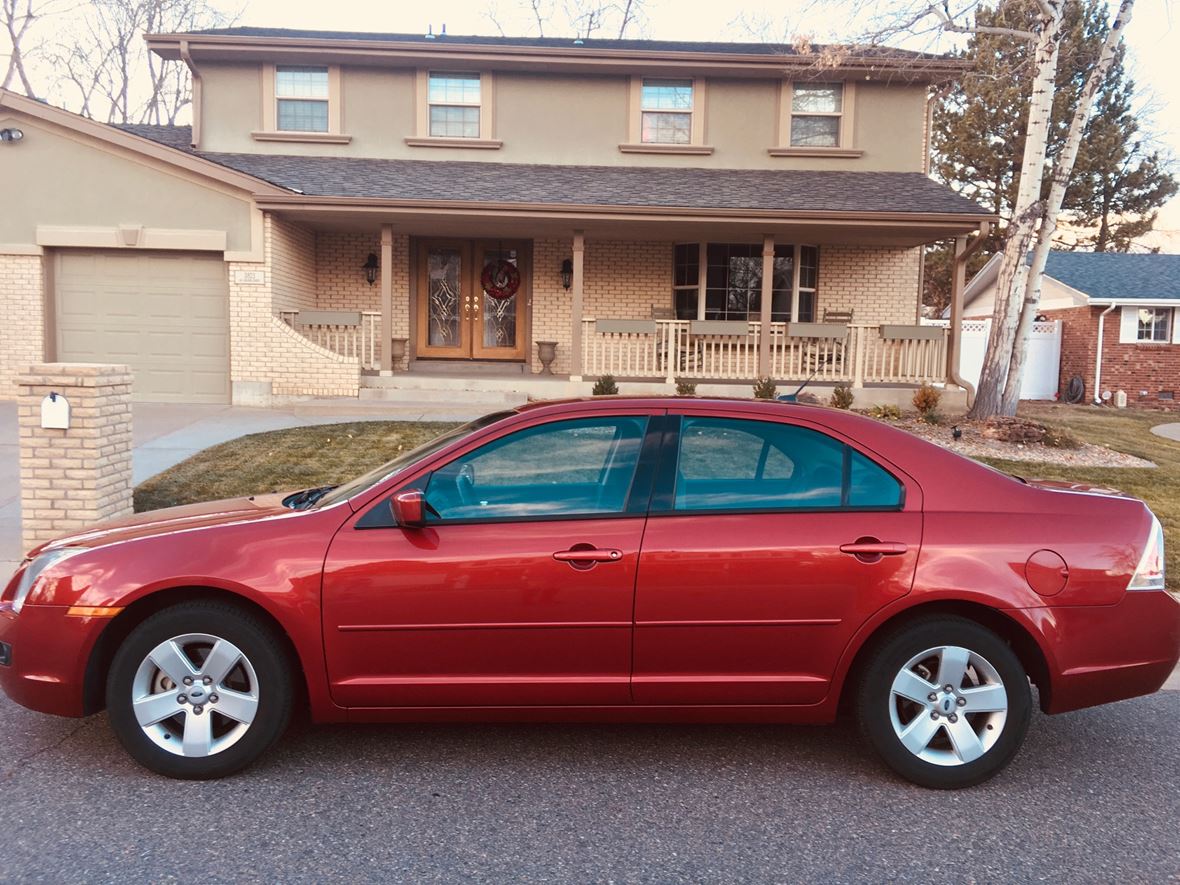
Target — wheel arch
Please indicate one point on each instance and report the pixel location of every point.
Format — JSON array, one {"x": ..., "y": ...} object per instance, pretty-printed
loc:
[
  {"x": 1019, "y": 638},
  {"x": 98, "y": 665}
]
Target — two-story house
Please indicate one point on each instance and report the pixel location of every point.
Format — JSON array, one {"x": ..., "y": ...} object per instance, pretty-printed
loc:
[{"x": 375, "y": 214}]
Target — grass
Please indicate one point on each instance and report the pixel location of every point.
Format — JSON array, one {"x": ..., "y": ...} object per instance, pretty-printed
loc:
[
  {"x": 299, "y": 458},
  {"x": 312, "y": 456}
]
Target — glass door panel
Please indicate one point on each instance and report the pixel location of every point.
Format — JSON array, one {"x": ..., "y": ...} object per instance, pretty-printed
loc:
[
  {"x": 499, "y": 332},
  {"x": 445, "y": 301}
]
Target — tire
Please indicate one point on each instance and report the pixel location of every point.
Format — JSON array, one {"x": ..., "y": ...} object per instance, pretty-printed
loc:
[
  {"x": 238, "y": 705},
  {"x": 941, "y": 739}
]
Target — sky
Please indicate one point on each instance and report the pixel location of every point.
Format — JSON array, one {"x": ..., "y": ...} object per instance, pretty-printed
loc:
[{"x": 1153, "y": 37}]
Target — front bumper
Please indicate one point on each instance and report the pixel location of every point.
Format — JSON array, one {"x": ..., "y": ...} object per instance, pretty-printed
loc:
[
  {"x": 48, "y": 655},
  {"x": 1111, "y": 652}
]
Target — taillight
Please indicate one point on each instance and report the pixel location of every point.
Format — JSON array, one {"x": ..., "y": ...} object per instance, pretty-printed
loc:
[{"x": 1150, "y": 573}]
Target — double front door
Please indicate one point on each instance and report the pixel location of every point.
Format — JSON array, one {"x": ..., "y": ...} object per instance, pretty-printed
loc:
[{"x": 472, "y": 299}]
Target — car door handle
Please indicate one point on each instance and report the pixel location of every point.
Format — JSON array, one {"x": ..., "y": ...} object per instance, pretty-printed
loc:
[
  {"x": 875, "y": 548},
  {"x": 592, "y": 555}
]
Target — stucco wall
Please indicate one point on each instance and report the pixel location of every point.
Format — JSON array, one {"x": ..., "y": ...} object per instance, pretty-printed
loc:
[
  {"x": 563, "y": 118},
  {"x": 58, "y": 178},
  {"x": 22, "y": 317}
]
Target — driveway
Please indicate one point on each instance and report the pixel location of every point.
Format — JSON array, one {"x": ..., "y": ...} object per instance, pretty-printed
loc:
[{"x": 166, "y": 434}]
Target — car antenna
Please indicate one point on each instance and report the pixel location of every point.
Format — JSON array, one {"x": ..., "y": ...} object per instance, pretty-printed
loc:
[{"x": 794, "y": 397}]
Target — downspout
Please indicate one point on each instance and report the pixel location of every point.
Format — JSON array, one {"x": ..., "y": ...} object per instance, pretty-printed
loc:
[
  {"x": 1098, "y": 358},
  {"x": 963, "y": 251},
  {"x": 192, "y": 69}
]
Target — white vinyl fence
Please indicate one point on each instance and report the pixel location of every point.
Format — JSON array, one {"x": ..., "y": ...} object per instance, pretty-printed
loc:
[{"x": 1042, "y": 365}]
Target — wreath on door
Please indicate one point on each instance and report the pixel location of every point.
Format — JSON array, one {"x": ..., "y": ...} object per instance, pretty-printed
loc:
[{"x": 500, "y": 279}]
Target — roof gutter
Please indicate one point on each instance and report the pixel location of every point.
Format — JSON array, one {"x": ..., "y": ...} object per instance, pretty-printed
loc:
[{"x": 1098, "y": 359}]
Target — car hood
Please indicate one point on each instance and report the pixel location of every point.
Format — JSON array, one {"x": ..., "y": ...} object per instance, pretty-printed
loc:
[{"x": 173, "y": 519}]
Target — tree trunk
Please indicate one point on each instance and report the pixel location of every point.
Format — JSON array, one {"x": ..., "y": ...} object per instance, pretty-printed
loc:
[
  {"x": 1062, "y": 170},
  {"x": 1010, "y": 289}
]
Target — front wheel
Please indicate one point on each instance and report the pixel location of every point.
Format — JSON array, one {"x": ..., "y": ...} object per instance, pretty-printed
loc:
[
  {"x": 199, "y": 691},
  {"x": 945, "y": 702}
]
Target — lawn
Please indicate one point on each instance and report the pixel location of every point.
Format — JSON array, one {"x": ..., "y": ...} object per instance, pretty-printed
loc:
[{"x": 313, "y": 456}]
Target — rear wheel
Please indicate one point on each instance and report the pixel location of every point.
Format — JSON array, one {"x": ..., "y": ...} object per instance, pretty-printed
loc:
[
  {"x": 945, "y": 702},
  {"x": 199, "y": 691}
]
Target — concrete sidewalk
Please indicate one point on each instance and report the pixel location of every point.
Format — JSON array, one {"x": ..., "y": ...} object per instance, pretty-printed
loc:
[{"x": 165, "y": 434}]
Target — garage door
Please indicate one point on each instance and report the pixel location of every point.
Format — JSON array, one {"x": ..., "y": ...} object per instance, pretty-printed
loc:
[{"x": 165, "y": 314}]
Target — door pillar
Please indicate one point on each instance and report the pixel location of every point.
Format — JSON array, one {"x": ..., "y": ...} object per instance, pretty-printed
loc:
[
  {"x": 576, "y": 307},
  {"x": 387, "y": 299},
  {"x": 767, "y": 298}
]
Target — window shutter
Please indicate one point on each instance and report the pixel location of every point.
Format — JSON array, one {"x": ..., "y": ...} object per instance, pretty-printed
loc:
[{"x": 1129, "y": 325}]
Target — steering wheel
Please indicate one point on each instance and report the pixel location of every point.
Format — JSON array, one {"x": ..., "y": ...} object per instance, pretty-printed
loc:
[{"x": 465, "y": 484}]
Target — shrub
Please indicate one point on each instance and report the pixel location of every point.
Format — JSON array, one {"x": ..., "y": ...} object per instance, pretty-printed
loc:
[
  {"x": 685, "y": 388},
  {"x": 765, "y": 388},
  {"x": 605, "y": 386},
  {"x": 926, "y": 401},
  {"x": 885, "y": 412},
  {"x": 842, "y": 397},
  {"x": 932, "y": 417}
]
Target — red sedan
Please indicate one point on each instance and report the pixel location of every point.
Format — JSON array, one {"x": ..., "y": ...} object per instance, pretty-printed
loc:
[{"x": 610, "y": 559}]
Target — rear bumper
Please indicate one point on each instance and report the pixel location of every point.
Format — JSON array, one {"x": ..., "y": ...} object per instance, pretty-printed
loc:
[
  {"x": 48, "y": 657},
  {"x": 1110, "y": 652}
]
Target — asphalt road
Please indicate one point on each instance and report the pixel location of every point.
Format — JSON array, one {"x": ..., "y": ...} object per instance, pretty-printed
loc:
[{"x": 1094, "y": 796}]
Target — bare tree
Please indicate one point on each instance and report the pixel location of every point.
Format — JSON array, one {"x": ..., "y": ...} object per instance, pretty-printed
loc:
[
  {"x": 20, "y": 18},
  {"x": 107, "y": 70},
  {"x": 577, "y": 18}
]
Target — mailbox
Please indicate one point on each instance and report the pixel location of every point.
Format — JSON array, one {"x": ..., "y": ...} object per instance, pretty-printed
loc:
[{"x": 55, "y": 412}]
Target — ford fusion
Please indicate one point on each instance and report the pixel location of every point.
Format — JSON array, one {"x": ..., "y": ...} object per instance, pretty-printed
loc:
[{"x": 610, "y": 560}]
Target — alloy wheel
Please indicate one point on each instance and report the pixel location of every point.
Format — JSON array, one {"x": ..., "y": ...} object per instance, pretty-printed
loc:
[
  {"x": 948, "y": 705},
  {"x": 195, "y": 695}
]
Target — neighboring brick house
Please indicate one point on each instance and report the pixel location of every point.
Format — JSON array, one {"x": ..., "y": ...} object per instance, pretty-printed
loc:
[
  {"x": 1124, "y": 307},
  {"x": 355, "y": 213}
]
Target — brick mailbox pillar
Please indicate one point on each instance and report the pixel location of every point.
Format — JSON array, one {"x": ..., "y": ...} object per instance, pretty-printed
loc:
[{"x": 72, "y": 477}]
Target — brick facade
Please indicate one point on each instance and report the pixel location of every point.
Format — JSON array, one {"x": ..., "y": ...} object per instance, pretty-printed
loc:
[
  {"x": 268, "y": 357},
  {"x": 72, "y": 478},
  {"x": 879, "y": 284},
  {"x": 1142, "y": 370},
  {"x": 22, "y": 317}
]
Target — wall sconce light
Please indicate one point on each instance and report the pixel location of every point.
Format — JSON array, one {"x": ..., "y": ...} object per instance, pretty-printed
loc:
[
  {"x": 567, "y": 273},
  {"x": 371, "y": 267},
  {"x": 11, "y": 135}
]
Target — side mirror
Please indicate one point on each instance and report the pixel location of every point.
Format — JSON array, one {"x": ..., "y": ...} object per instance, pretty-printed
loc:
[{"x": 409, "y": 509}]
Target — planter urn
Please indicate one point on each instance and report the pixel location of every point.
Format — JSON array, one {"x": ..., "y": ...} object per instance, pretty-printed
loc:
[
  {"x": 397, "y": 351},
  {"x": 546, "y": 353}
]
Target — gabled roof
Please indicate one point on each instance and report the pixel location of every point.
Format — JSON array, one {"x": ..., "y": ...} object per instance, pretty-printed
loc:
[
  {"x": 773, "y": 191},
  {"x": 1102, "y": 277},
  {"x": 1117, "y": 276}
]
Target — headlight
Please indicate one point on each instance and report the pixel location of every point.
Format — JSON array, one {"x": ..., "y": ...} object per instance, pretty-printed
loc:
[{"x": 34, "y": 570}]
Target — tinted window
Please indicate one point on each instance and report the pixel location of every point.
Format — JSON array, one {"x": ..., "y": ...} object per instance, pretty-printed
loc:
[
  {"x": 559, "y": 469},
  {"x": 729, "y": 464}
]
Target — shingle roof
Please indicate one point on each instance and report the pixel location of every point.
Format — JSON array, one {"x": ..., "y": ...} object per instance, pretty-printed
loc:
[
  {"x": 712, "y": 47},
  {"x": 1104, "y": 276},
  {"x": 622, "y": 186}
]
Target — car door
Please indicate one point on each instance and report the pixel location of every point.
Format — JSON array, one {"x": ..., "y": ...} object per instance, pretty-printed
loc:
[
  {"x": 518, "y": 590},
  {"x": 769, "y": 543}
]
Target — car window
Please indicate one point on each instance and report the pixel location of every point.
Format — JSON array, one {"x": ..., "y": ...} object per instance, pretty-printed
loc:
[
  {"x": 735, "y": 464},
  {"x": 565, "y": 468}
]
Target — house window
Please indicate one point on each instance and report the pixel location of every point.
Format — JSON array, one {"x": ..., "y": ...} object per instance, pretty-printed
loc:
[
  {"x": 1155, "y": 324},
  {"x": 301, "y": 99},
  {"x": 666, "y": 108},
  {"x": 733, "y": 282},
  {"x": 817, "y": 110},
  {"x": 454, "y": 102}
]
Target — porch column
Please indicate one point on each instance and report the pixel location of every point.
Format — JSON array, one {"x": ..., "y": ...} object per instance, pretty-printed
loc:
[
  {"x": 958, "y": 284},
  {"x": 767, "y": 296},
  {"x": 576, "y": 308},
  {"x": 387, "y": 299}
]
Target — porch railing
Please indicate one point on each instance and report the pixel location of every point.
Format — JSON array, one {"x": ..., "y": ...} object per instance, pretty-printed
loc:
[
  {"x": 729, "y": 351},
  {"x": 354, "y": 334}
]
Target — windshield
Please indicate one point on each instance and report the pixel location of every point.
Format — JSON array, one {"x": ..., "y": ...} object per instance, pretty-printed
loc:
[{"x": 378, "y": 474}]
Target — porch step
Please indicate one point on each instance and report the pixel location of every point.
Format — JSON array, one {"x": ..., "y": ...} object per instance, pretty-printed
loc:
[{"x": 457, "y": 397}]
